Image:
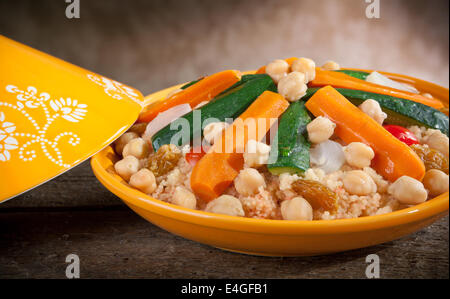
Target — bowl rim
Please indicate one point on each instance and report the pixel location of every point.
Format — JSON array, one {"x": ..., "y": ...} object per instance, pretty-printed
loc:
[
  {"x": 134, "y": 197},
  {"x": 100, "y": 163}
]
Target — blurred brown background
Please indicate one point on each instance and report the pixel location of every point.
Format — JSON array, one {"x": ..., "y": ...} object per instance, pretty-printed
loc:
[{"x": 154, "y": 44}]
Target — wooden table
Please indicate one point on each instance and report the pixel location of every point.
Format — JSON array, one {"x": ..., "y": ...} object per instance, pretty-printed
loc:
[{"x": 113, "y": 242}]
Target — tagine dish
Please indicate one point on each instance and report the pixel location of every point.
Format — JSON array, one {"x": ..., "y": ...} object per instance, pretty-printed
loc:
[{"x": 290, "y": 141}]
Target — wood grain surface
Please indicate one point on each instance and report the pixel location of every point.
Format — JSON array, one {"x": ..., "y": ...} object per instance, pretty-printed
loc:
[{"x": 116, "y": 243}]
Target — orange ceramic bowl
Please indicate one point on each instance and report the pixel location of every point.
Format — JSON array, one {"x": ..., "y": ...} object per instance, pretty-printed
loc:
[{"x": 271, "y": 237}]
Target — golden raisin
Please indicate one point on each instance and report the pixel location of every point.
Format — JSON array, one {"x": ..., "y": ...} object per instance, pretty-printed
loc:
[
  {"x": 317, "y": 194},
  {"x": 164, "y": 160},
  {"x": 432, "y": 158}
]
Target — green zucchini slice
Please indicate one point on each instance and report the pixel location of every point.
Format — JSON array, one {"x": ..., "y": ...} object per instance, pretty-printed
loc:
[
  {"x": 290, "y": 147},
  {"x": 229, "y": 104}
]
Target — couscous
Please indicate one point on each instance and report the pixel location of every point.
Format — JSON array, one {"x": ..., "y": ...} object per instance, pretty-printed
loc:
[{"x": 329, "y": 144}]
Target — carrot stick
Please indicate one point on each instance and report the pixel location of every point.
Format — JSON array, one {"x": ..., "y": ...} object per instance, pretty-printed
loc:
[
  {"x": 393, "y": 158},
  {"x": 341, "y": 80},
  {"x": 204, "y": 90},
  {"x": 262, "y": 70},
  {"x": 214, "y": 172}
]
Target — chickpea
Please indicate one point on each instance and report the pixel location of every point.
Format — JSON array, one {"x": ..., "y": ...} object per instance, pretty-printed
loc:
[
  {"x": 436, "y": 182},
  {"x": 331, "y": 66},
  {"x": 417, "y": 131},
  {"x": 320, "y": 129},
  {"x": 297, "y": 208},
  {"x": 372, "y": 108},
  {"x": 358, "y": 182},
  {"x": 127, "y": 167},
  {"x": 277, "y": 69},
  {"x": 293, "y": 86},
  {"x": 213, "y": 131},
  {"x": 137, "y": 147},
  {"x": 143, "y": 180},
  {"x": 438, "y": 141},
  {"x": 225, "y": 204},
  {"x": 123, "y": 140},
  {"x": 185, "y": 198},
  {"x": 256, "y": 153},
  {"x": 358, "y": 154},
  {"x": 382, "y": 184},
  {"x": 305, "y": 66},
  {"x": 408, "y": 191},
  {"x": 248, "y": 181}
]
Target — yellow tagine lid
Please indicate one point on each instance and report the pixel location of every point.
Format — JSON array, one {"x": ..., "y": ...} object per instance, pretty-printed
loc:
[{"x": 54, "y": 115}]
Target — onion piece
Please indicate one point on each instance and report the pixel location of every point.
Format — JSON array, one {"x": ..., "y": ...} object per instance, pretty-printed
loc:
[
  {"x": 328, "y": 156},
  {"x": 163, "y": 119},
  {"x": 380, "y": 79}
]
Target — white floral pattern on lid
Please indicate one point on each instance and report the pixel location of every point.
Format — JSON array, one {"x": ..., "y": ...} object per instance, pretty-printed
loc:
[
  {"x": 71, "y": 110},
  {"x": 7, "y": 142},
  {"x": 68, "y": 109},
  {"x": 115, "y": 89},
  {"x": 57, "y": 115},
  {"x": 28, "y": 97}
]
